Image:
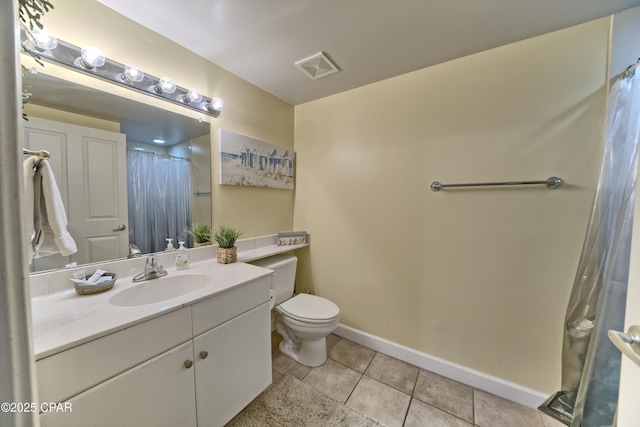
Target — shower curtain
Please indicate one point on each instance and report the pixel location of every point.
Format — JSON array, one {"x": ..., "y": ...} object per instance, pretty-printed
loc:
[
  {"x": 590, "y": 363},
  {"x": 159, "y": 194}
]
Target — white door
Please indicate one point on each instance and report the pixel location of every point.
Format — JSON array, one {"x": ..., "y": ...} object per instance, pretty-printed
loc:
[
  {"x": 158, "y": 393},
  {"x": 91, "y": 172},
  {"x": 628, "y": 408},
  {"x": 233, "y": 366}
]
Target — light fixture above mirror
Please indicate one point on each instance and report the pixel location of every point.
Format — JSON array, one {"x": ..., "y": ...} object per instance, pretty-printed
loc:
[{"x": 90, "y": 60}]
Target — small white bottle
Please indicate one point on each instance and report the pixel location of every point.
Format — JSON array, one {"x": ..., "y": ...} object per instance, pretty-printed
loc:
[{"x": 182, "y": 259}]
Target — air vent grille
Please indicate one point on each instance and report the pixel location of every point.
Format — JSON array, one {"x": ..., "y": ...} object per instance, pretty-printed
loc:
[{"x": 317, "y": 66}]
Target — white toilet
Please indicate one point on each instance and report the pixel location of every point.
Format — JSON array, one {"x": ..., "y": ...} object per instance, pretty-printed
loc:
[{"x": 305, "y": 320}]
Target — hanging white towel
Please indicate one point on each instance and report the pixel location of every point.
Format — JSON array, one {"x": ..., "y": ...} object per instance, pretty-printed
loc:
[
  {"x": 28, "y": 174},
  {"x": 50, "y": 218}
]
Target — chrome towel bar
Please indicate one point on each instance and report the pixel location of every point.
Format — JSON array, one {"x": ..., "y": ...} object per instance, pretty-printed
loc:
[
  {"x": 41, "y": 154},
  {"x": 552, "y": 183}
]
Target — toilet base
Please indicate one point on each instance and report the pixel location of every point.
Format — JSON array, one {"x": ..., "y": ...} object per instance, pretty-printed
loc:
[{"x": 310, "y": 353}]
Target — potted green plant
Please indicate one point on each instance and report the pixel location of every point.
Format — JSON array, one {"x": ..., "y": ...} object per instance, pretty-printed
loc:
[
  {"x": 201, "y": 234},
  {"x": 226, "y": 236}
]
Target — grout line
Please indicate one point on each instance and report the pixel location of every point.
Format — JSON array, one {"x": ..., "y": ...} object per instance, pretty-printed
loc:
[
  {"x": 370, "y": 361},
  {"x": 415, "y": 383},
  {"x": 473, "y": 406},
  {"x": 354, "y": 370},
  {"x": 406, "y": 414},
  {"x": 411, "y": 396},
  {"x": 353, "y": 389}
]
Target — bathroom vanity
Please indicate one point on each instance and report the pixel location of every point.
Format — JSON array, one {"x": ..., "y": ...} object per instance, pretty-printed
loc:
[{"x": 193, "y": 358}]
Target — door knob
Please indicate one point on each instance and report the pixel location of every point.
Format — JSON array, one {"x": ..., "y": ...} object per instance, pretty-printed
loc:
[
  {"x": 120, "y": 227},
  {"x": 203, "y": 354},
  {"x": 629, "y": 343},
  {"x": 188, "y": 364}
]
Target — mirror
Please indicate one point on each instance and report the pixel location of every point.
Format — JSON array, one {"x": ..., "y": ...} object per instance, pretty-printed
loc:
[{"x": 91, "y": 132}]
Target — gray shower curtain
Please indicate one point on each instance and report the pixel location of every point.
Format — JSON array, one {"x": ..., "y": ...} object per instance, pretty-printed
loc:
[
  {"x": 590, "y": 363},
  {"x": 159, "y": 195}
]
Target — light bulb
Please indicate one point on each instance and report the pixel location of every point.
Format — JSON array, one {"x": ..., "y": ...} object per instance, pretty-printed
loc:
[
  {"x": 165, "y": 85},
  {"x": 43, "y": 40},
  {"x": 215, "y": 105},
  {"x": 192, "y": 97},
  {"x": 131, "y": 74},
  {"x": 91, "y": 58}
]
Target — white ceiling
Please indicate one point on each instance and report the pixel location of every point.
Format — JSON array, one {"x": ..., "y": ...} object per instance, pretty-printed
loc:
[{"x": 369, "y": 40}]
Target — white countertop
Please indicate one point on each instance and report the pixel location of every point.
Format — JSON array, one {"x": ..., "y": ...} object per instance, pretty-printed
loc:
[{"x": 62, "y": 319}]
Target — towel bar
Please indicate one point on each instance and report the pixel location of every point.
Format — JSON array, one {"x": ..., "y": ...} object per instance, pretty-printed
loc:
[{"x": 552, "y": 183}]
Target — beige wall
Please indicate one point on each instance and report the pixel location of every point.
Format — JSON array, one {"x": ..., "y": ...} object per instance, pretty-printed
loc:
[
  {"x": 477, "y": 277},
  {"x": 32, "y": 110},
  {"x": 201, "y": 178},
  {"x": 481, "y": 277},
  {"x": 248, "y": 110}
]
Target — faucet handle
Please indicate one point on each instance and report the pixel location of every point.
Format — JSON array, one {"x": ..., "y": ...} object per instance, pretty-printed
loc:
[{"x": 151, "y": 261}]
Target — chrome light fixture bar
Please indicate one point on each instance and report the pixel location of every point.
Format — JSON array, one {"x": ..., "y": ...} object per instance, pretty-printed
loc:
[{"x": 73, "y": 57}]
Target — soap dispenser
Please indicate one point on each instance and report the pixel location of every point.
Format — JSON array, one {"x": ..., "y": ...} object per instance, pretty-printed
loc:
[{"x": 182, "y": 259}]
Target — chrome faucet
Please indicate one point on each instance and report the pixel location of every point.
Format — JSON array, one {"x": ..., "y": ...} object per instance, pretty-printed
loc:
[{"x": 151, "y": 270}]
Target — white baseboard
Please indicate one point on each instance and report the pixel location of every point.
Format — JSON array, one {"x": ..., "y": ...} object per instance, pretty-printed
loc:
[{"x": 494, "y": 385}]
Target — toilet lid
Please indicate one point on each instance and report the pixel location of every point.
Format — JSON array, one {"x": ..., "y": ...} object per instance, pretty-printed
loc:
[{"x": 310, "y": 308}]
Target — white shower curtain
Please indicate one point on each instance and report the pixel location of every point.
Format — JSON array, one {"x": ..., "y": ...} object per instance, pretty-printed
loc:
[
  {"x": 590, "y": 363},
  {"x": 159, "y": 194}
]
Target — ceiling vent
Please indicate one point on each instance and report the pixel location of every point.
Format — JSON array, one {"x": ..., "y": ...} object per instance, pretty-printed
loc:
[{"x": 317, "y": 66}]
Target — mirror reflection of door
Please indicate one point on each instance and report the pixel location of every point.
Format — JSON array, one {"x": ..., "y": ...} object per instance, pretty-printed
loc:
[{"x": 90, "y": 169}]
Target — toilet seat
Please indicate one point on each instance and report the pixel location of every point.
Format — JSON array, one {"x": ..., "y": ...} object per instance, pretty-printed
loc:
[{"x": 310, "y": 309}]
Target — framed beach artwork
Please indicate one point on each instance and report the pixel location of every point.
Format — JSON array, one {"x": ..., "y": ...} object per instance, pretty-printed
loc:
[{"x": 250, "y": 162}]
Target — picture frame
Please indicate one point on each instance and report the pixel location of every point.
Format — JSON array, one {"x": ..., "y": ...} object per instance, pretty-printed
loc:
[{"x": 249, "y": 162}]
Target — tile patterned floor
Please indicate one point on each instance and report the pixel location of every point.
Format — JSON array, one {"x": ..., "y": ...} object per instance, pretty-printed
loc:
[{"x": 398, "y": 394}]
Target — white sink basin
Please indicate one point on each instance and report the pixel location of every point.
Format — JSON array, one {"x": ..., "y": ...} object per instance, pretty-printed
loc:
[{"x": 161, "y": 289}]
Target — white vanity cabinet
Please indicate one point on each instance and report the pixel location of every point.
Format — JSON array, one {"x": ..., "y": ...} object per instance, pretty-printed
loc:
[{"x": 196, "y": 366}]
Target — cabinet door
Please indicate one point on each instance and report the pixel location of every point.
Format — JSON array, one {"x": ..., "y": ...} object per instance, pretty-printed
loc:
[
  {"x": 159, "y": 392},
  {"x": 236, "y": 366}
]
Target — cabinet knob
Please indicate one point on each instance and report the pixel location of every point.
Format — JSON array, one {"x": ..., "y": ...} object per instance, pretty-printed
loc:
[
  {"x": 203, "y": 354},
  {"x": 188, "y": 364}
]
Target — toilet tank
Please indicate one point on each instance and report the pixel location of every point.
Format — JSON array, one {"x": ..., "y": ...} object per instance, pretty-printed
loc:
[{"x": 284, "y": 279}]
